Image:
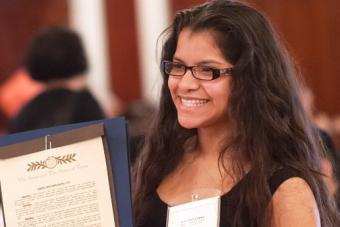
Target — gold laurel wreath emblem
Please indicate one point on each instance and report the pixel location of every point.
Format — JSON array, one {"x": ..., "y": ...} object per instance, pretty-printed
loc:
[{"x": 51, "y": 162}]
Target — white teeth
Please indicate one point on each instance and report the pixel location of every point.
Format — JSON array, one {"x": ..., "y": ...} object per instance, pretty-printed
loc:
[{"x": 193, "y": 102}]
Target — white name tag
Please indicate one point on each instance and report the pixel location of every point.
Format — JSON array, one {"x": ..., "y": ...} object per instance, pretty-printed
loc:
[{"x": 201, "y": 213}]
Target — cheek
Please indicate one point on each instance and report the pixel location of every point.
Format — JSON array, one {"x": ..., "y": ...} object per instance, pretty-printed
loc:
[
  {"x": 219, "y": 92},
  {"x": 172, "y": 84}
]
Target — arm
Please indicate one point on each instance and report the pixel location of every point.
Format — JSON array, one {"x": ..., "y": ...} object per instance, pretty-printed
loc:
[{"x": 294, "y": 204}]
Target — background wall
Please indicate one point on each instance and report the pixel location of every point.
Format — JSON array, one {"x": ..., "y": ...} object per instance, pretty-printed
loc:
[
  {"x": 19, "y": 20},
  {"x": 122, "y": 31}
]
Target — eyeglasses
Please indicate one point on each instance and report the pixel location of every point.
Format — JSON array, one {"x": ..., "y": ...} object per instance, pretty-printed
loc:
[{"x": 199, "y": 72}]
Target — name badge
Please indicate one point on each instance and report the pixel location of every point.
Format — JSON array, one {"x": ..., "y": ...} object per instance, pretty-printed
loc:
[{"x": 200, "y": 213}]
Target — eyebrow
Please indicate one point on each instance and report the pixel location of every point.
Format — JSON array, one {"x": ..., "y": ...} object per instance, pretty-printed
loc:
[{"x": 208, "y": 61}]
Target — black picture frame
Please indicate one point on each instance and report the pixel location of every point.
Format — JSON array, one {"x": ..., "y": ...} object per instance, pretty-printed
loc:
[{"x": 115, "y": 139}]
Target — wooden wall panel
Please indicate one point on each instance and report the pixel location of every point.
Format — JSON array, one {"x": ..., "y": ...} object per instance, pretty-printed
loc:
[
  {"x": 183, "y": 4},
  {"x": 19, "y": 19},
  {"x": 123, "y": 49},
  {"x": 311, "y": 30}
]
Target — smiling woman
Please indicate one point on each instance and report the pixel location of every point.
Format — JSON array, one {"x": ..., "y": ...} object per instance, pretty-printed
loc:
[{"x": 230, "y": 124}]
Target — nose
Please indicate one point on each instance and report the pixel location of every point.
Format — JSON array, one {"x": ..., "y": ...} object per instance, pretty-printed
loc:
[{"x": 188, "y": 81}]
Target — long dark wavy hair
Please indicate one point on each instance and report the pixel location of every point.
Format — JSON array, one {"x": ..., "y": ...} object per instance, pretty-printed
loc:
[{"x": 268, "y": 124}]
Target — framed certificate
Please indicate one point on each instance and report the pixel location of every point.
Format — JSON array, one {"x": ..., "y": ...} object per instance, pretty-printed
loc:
[{"x": 73, "y": 175}]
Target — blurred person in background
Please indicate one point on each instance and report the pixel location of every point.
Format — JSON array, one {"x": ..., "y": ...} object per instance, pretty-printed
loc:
[
  {"x": 331, "y": 157},
  {"x": 331, "y": 166},
  {"x": 21, "y": 86},
  {"x": 56, "y": 58},
  {"x": 330, "y": 124}
]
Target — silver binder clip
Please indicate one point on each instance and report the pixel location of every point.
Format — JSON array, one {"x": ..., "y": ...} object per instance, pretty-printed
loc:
[{"x": 48, "y": 142}]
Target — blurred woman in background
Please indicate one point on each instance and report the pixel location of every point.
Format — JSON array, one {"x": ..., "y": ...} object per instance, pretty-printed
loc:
[{"x": 56, "y": 57}]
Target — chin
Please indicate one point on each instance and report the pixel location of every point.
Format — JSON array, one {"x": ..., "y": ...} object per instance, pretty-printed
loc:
[
  {"x": 188, "y": 123},
  {"x": 187, "y": 126}
]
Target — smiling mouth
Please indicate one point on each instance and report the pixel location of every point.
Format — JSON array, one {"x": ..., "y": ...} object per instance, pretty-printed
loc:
[{"x": 193, "y": 102}]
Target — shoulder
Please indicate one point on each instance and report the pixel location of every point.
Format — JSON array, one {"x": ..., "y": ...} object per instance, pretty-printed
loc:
[
  {"x": 85, "y": 98},
  {"x": 42, "y": 104},
  {"x": 294, "y": 204},
  {"x": 87, "y": 107}
]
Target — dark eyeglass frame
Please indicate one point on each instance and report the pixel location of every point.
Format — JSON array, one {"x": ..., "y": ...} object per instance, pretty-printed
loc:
[{"x": 216, "y": 73}]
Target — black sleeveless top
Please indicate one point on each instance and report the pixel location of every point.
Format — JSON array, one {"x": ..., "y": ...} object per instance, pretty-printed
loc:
[{"x": 154, "y": 213}]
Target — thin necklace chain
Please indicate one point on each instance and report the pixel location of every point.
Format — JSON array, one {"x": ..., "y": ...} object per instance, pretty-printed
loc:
[{"x": 203, "y": 192}]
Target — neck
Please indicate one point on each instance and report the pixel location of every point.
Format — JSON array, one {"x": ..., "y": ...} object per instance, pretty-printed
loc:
[{"x": 212, "y": 140}]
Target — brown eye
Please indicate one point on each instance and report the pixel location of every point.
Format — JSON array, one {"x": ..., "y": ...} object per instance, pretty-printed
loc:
[
  {"x": 177, "y": 69},
  {"x": 206, "y": 69},
  {"x": 177, "y": 65}
]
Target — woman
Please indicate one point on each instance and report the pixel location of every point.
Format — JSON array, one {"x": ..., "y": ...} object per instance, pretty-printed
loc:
[{"x": 230, "y": 123}]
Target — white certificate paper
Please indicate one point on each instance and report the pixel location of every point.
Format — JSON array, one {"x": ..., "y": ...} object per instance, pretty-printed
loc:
[
  {"x": 64, "y": 186},
  {"x": 201, "y": 213}
]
